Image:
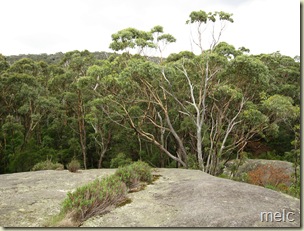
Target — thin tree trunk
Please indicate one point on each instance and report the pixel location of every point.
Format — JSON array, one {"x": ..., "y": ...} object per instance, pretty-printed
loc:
[
  {"x": 162, "y": 140},
  {"x": 199, "y": 148},
  {"x": 82, "y": 131},
  {"x": 103, "y": 148}
]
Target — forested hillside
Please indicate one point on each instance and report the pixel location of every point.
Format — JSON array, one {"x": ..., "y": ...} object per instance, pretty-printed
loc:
[
  {"x": 51, "y": 58},
  {"x": 186, "y": 110}
]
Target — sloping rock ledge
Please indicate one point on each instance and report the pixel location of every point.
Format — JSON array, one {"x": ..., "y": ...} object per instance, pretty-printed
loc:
[{"x": 179, "y": 198}]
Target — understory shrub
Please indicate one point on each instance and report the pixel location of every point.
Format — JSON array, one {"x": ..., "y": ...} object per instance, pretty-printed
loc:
[
  {"x": 73, "y": 166},
  {"x": 47, "y": 165},
  {"x": 128, "y": 176},
  {"x": 132, "y": 174},
  {"x": 143, "y": 170},
  {"x": 94, "y": 198}
]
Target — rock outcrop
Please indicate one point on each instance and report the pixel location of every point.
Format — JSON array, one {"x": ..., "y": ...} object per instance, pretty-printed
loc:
[
  {"x": 179, "y": 198},
  {"x": 284, "y": 167}
]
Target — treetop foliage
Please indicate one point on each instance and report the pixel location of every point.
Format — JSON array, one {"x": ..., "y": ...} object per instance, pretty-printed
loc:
[
  {"x": 203, "y": 17},
  {"x": 181, "y": 111}
]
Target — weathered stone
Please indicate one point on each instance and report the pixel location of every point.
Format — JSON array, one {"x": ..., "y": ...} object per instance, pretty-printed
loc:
[
  {"x": 179, "y": 198},
  {"x": 30, "y": 199}
]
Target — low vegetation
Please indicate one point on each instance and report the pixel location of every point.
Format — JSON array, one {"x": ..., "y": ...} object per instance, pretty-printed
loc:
[
  {"x": 73, "y": 166},
  {"x": 47, "y": 165},
  {"x": 102, "y": 195},
  {"x": 135, "y": 173},
  {"x": 94, "y": 198}
]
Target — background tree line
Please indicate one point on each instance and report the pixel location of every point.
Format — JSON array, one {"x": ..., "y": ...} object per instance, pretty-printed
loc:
[{"x": 186, "y": 110}]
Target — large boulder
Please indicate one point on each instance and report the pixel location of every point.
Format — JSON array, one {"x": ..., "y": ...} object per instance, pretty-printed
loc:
[{"x": 240, "y": 171}]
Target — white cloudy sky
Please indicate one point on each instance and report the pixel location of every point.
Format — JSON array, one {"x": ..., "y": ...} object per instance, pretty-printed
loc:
[{"x": 50, "y": 26}]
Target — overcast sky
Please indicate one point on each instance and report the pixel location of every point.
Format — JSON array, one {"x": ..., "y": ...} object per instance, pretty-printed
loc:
[{"x": 50, "y": 26}]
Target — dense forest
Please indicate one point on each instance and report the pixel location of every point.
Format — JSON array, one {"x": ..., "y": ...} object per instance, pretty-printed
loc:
[{"x": 185, "y": 110}]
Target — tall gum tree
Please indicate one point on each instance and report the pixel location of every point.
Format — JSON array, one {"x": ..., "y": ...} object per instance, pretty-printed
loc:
[
  {"x": 76, "y": 64},
  {"x": 142, "y": 103},
  {"x": 138, "y": 76},
  {"x": 199, "y": 92}
]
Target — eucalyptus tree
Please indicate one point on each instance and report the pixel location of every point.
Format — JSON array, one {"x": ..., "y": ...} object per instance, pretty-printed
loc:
[
  {"x": 126, "y": 90},
  {"x": 129, "y": 39},
  {"x": 26, "y": 102},
  {"x": 75, "y": 64},
  {"x": 216, "y": 88},
  {"x": 199, "y": 81},
  {"x": 96, "y": 115},
  {"x": 25, "y": 90},
  {"x": 284, "y": 81},
  {"x": 157, "y": 110},
  {"x": 285, "y": 75},
  {"x": 160, "y": 39},
  {"x": 137, "y": 75},
  {"x": 11, "y": 141},
  {"x": 199, "y": 75}
]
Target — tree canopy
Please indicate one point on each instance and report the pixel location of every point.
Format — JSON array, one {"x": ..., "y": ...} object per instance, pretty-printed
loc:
[{"x": 186, "y": 110}]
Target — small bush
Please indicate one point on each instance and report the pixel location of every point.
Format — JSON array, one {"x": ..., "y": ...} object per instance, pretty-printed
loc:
[
  {"x": 127, "y": 175},
  {"x": 132, "y": 174},
  {"x": 120, "y": 160},
  {"x": 73, "y": 166},
  {"x": 99, "y": 196},
  {"x": 94, "y": 198},
  {"x": 47, "y": 165},
  {"x": 143, "y": 170}
]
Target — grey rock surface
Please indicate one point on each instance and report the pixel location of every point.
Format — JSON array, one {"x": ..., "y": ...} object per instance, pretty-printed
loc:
[
  {"x": 29, "y": 199},
  {"x": 179, "y": 198}
]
